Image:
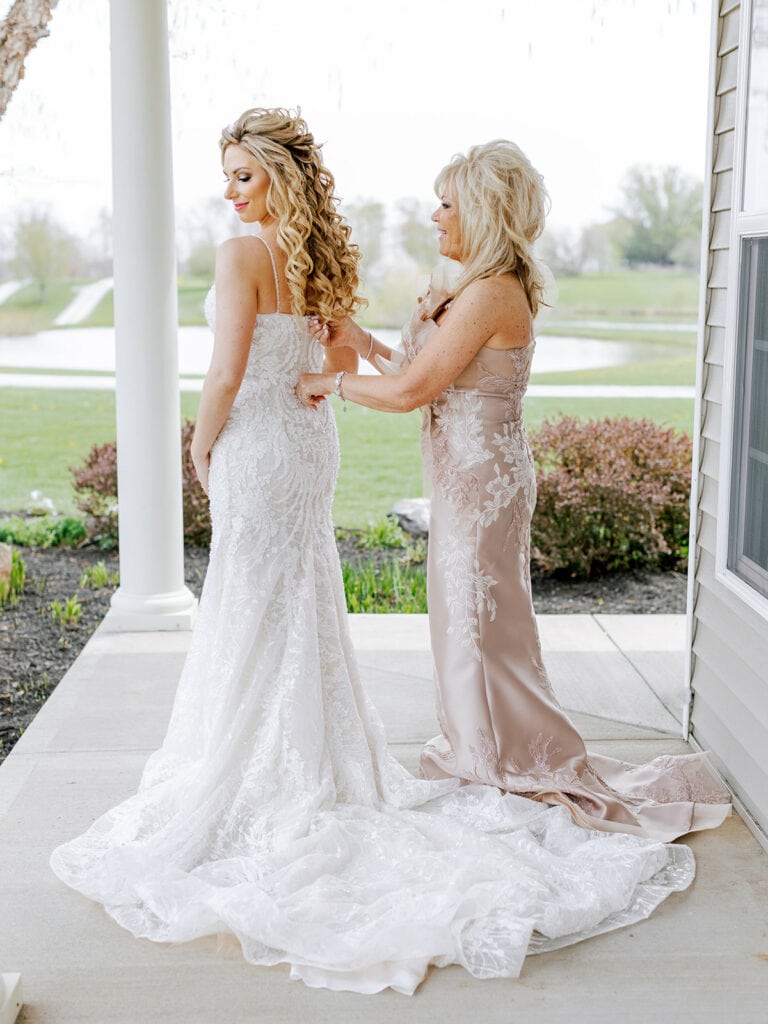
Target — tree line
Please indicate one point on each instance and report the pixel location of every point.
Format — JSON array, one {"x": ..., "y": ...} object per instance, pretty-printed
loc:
[{"x": 657, "y": 222}]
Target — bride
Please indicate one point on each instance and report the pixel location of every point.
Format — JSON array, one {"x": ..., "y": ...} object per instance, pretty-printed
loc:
[{"x": 273, "y": 810}]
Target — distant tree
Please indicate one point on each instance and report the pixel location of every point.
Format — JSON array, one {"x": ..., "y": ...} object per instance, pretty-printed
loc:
[
  {"x": 601, "y": 245},
  {"x": 98, "y": 246},
  {"x": 417, "y": 232},
  {"x": 367, "y": 218},
  {"x": 562, "y": 250},
  {"x": 661, "y": 210},
  {"x": 202, "y": 227},
  {"x": 43, "y": 250},
  {"x": 23, "y": 27}
]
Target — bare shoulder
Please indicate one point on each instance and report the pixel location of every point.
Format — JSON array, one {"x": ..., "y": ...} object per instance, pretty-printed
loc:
[
  {"x": 243, "y": 258},
  {"x": 499, "y": 289},
  {"x": 499, "y": 305},
  {"x": 498, "y": 298}
]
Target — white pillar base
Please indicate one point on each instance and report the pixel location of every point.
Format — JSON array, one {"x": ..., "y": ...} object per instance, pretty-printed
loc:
[
  {"x": 10, "y": 997},
  {"x": 132, "y": 613}
]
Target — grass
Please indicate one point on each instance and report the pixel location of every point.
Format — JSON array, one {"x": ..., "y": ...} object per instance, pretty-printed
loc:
[
  {"x": 390, "y": 587},
  {"x": 645, "y": 295},
  {"x": 667, "y": 339},
  {"x": 660, "y": 372},
  {"x": 23, "y": 313},
  {"x": 97, "y": 576},
  {"x": 662, "y": 295},
  {"x": 12, "y": 588},
  {"x": 668, "y": 412},
  {"x": 380, "y": 463},
  {"x": 191, "y": 295},
  {"x": 44, "y": 432}
]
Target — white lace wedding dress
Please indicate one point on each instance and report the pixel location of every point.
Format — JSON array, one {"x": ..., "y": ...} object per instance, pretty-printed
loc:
[{"x": 273, "y": 810}]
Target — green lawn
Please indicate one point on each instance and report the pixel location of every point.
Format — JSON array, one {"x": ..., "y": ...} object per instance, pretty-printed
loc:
[
  {"x": 658, "y": 339},
  {"x": 648, "y": 294},
  {"x": 659, "y": 371},
  {"x": 625, "y": 296},
  {"x": 380, "y": 463},
  {"x": 23, "y": 313},
  {"x": 191, "y": 295},
  {"x": 44, "y": 432},
  {"x": 668, "y": 412}
]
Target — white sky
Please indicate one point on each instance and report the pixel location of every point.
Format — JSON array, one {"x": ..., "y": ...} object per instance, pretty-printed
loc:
[{"x": 586, "y": 87}]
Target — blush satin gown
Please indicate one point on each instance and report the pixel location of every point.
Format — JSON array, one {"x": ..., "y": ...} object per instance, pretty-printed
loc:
[
  {"x": 273, "y": 810},
  {"x": 500, "y": 721}
]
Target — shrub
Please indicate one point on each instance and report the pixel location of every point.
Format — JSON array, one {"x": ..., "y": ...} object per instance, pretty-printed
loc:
[
  {"x": 612, "y": 495},
  {"x": 42, "y": 531},
  {"x": 95, "y": 484},
  {"x": 197, "y": 516},
  {"x": 383, "y": 534}
]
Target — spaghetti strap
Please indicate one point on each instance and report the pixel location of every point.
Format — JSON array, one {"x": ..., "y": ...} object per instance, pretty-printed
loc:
[{"x": 274, "y": 268}]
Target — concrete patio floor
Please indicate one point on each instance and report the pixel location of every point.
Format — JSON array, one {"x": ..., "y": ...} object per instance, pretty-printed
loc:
[{"x": 703, "y": 956}]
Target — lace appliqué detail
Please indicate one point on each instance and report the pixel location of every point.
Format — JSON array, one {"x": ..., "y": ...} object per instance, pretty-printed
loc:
[
  {"x": 468, "y": 592},
  {"x": 457, "y": 446}
]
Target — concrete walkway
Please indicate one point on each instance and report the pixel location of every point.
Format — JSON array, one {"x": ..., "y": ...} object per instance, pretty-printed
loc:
[
  {"x": 85, "y": 301},
  {"x": 702, "y": 957}
]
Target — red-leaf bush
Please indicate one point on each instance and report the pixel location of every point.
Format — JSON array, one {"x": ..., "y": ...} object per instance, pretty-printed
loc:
[
  {"x": 613, "y": 496},
  {"x": 95, "y": 485},
  {"x": 197, "y": 514}
]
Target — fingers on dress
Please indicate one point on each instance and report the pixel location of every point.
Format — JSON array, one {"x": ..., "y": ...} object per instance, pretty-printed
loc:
[{"x": 273, "y": 810}]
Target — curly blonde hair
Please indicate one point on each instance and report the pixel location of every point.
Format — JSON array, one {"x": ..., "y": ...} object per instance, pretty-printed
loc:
[
  {"x": 502, "y": 205},
  {"x": 322, "y": 262}
]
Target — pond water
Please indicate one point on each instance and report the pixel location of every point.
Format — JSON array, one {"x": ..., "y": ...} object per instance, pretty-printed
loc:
[{"x": 93, "y": 348}]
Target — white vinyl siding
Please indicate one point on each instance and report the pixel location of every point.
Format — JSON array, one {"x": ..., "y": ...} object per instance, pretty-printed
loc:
[{"x": 728, "y": 635}]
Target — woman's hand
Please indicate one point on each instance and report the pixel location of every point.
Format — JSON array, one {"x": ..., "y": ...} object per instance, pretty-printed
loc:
[
  {"x": 343, "y": 333},
  {"x": 313, "y": 388},
  {"x": 202, "y": 464}
]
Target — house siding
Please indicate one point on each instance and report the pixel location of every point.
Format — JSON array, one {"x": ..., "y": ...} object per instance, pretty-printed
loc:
[{"x": 729, "y": 639}]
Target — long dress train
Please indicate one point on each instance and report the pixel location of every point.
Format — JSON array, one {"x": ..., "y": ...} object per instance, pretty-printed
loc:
[
  {"x": 273, "y": 810},
  {"x": 500, "y": 721}
]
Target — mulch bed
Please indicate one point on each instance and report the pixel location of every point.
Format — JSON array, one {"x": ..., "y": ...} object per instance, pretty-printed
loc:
[{"x": 35, "y": 652}]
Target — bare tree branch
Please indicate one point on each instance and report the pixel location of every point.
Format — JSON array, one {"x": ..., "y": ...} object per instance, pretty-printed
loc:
[{"x": 25, "y": 25}]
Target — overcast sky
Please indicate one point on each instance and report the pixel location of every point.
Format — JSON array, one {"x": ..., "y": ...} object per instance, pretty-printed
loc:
[{"x": 586, "y": 87}]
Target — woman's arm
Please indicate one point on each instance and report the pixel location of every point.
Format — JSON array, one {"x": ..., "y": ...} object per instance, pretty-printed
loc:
[
  {"x": 237, "y": 267},
  {"x": 347, "y": 336},
  {"x": 480, "y": 313}
]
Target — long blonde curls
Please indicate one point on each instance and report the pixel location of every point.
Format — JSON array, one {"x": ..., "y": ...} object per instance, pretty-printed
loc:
[
  {"x": 322, "y": 263},
  {"x": 502, "y": 206}
]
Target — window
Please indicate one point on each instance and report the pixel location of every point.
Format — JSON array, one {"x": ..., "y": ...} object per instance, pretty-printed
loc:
[{"x": 748, "y": 533}]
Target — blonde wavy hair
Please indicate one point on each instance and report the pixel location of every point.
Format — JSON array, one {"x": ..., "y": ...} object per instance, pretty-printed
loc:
[
  {"x": 322, "y": 262},
  {"x": 502, "y": 205}
]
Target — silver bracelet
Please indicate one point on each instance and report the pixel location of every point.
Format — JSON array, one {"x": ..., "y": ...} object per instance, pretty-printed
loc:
[
  {"x": 370, "y": 347},
  {"x": 337, "y": 389}
]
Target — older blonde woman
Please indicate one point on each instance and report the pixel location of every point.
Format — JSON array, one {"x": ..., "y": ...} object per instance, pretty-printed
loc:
[{"x": 468, "y": 358}]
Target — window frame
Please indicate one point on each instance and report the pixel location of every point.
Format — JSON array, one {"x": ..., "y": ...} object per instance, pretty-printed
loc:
[{"x": 744, "y": 225}]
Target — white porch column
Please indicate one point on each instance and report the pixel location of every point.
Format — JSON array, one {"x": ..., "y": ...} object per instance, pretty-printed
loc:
[{"x": 152, "y": 594}]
